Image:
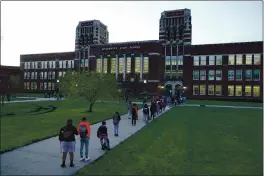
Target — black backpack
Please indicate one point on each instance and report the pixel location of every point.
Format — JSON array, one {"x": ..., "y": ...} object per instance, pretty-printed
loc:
[
  {"x": 145, "y": 111},
  {"x": 83, "y": 131}
]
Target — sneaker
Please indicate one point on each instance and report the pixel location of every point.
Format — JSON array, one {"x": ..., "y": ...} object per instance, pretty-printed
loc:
[
  {"x": 87, "y": 159},
  {"x": 71, "y": 165},
  {"x": 63, "y": 165},
  {"x": 82, "y": 158}
]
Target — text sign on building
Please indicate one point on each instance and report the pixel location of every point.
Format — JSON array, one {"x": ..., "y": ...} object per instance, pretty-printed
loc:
[{"x": 120, "y": 48}]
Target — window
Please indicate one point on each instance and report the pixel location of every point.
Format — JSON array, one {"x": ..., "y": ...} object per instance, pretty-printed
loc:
[
  {"x": 60, "y": 64},
  {"x": 45, "y": 75},
  {"x": 41, "y": 75},
  {"x": 218, "y": 90},
  {"x": 85, "y": 63},
  {"x": 248, "y": 74},
  {"x": 211, "y": 75},
  {"x": 25, "y": 65},
  {"x": 45, "y": 86},
  {"x": 69, "y": 64},
  {"x": 238, "y": 90},
  {"x": 231, "y": 75},
  {"x": 256, "y": 75},
  {"x": 146, "y": 65},
  {"x": 257, "y": 59},
  {"x": 195, "y": 74},
  {"x": 173, "y": 60},
  {"x": 211, "y": 60},
  {"x": 238, "y": 75},
  {"x": 230, "y": 90},
  {"x": 137, "y": 65},
  {"x": 25, "y": 75},
  {"x": 203, "y": 60},
  {"x": 54, "y": 64},
  {"x": 41, "y": 86},
  {"x": 72, "y": 63},
  {"x": 50, "y": 64},
  {"x": 248, "y": 91},
  {"x": 249, "y": 59},
  {"x": 98, "y": 65},
  {"x": 113, "y": 65},
  {"x": 32, "y": 75},
  {"x": 28, "y": 75},
  {"x": 218, "y": 75},
  {"x": 196, "y": 60},
  {"x": 65, "y": 65},
  {"x": 52, "y": 86},
  {"x": 239, "y": 59},
  {"x": 210, "y": 89},
  {"x": 36, "y": 65},
  {"x": 34, "y": 86},
  {"x": 256, "y": 91},
  {"x": 28, "y": 85},
  {"x": 202, "y": 89},
  {"x": 33, "y": 67},
  {"x": 63, "y": 74},
  {"x": 195, "y": 90},
  {"x": 60, "y": 74},
  {"x": 36, "y": 75},
  {"x": 105, "y": 65},
  {"x": 231, "y": 60},
  {"x": 128, "y": 64},
  {"x": 49, "y": 85},
  {"x": 46, "y": 64},
  {"x": 167, "y": 61},
  {"x": 121, "y": 65},
  {"x": 219, "y": 60},
  {"x": 53, "y": 75},
  {"x": 202, "y": 75},
  {"x": 180, "y": 60}
]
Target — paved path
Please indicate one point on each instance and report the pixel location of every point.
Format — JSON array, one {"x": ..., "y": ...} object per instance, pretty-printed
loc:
[
  {"x": 223, "y": 106},
  {"x": 44, "y": 158}
]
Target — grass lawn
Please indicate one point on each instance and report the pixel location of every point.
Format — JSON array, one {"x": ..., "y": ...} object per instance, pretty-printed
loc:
[
  {"x": 226, "y": 103},
  {"x": 190, "y": 141},
  {"x": 23, "y": 122}
]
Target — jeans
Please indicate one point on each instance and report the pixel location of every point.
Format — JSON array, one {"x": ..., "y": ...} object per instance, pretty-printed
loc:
[
  {"x": 85, "y": 142},
  {"x": 104, "y": 139},
  {"x": 146, "y": 116},
  {"x": 129, "y": 114},
  {"x": 116, "y": 128},
  {"x": 134, "y": 121}
]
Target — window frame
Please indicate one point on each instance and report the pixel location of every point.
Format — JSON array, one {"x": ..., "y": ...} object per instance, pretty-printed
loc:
[
  {"x": 258, "y": 75},
  {"x": 196, "y": 86},
  {"x": 250, "y": 75},
  {"x": 212, "y": 60},
  {"x": 229, "y": 71},
  {"x": 250, "y": 91},
  {"x": 249, "y": 56},
  {"x": 219, "y": 58},
  {"x": 241, "y": 75},
  {"x": 200, "y": 75},
  {"x": 259, "y": 59},
  {"x": 253, "y": 92},
  {"x": 200, "y": 88},
  {"x": 231, "y": 60},
  {"x": 208, "y": 89},
  {"x": 240, "y": 57},
  {"x": 203, "y": 60}
]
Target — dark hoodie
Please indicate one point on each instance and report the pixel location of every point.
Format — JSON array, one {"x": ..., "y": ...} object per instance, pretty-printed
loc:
[{"x": 67, "y": 133}]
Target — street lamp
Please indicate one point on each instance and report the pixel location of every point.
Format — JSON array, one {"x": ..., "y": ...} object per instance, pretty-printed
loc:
[
  {"x": 58, "y": 81},
  {"x": 144, "y": 81}
]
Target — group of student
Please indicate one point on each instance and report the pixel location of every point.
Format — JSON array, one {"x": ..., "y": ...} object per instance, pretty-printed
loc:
[
  {"x": 67, "y": 138},
  {"x": 157, "y": 106}
]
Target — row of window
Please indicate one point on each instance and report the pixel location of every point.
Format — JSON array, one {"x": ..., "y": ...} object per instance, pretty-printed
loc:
[
  {"x": 49, "y": 64},
  {"x": 251, "y": 59},
  {"x": 122, "y": 65},
  {"x": 42, "y": 75},
  {"x": 232, "y": 75},
  {"x": 233, "y": 90},
  {"x": 174, "y": 60},
  {"x": 42, "y": 86}
]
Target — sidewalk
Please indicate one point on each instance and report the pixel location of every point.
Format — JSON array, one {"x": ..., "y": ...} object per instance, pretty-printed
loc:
[
  {"x": 223, "y": 106},
  {"x": 44, "y": 158}
]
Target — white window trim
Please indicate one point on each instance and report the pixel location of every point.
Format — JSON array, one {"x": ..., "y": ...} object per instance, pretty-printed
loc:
[
  {"x": 253, "y": 90},
  {"x": 241, "y": 75},
  {"x": 246, "y": 75},
  {"x": 208, "y": 89},
  {"x": 200, "y": 89},
  {"x": 195, "y": 59},
  {"x": 259, "y": 58},
  {"x": 201, "y": 60},
  {"x": 209, "y": 75},
  {"x": 241, "y": 91},
  {"x": 251, "y": 59},
  {"x": 241, "y": 60},
  {"x": 221, "y": 60}
]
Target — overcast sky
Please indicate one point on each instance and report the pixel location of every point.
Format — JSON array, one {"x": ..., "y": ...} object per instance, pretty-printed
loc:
[{"x": 43, "y": 27}]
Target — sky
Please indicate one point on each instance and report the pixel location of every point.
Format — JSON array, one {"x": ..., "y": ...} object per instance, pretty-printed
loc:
[{"x": 49, "y": 26}]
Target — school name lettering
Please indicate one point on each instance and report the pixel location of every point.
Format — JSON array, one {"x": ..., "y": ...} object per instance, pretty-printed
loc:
[{"x": 120, "y": 48}]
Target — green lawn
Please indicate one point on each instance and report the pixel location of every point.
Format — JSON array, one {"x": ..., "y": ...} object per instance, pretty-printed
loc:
[
  {"x": 23, "y": 122},
  {"x": 226, "y": 103},
  {"x": 190, "y": 141}
]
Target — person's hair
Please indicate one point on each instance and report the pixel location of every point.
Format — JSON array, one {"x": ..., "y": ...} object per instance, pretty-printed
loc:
[
  {"x": 69, "y": 122},
  {"x": 103, "y": 123},
  {"x": 145, "y": 105},
  {"x": 134, "y": 104},
  {"x": 84, "y": 119}
]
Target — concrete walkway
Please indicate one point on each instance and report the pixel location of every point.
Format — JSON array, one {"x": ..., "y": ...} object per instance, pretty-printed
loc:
[
  {"x": 44, "y": 158},
  {"x": 223, "y": 106}
]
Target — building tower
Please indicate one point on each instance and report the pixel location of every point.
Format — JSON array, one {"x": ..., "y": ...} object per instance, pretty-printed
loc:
[
  {"x": 90, "y": 32},
  {"x": 175, "y": 25}
]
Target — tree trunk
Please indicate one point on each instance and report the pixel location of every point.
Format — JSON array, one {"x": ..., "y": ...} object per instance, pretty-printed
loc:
[{"x": 91, "y": 107}]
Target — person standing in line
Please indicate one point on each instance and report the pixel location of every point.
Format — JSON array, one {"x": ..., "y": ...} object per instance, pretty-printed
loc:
[
  {"x": 146, "y": 113},
  {"x": 102, "y": 134},
  {"x": 134, "y": 115},
  {"x": 67, "y": 142},
  {"x": 84, "y": 130},
  {"x": 116, "y": 120},
  {"x": 152, "y": 110},
  {"x": 129, "y": 108}
]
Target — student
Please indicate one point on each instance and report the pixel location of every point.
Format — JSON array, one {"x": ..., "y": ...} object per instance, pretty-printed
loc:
[
  {"x": 84, "y": 130},
  {"x": 67, "y": 142},
  {"x": 153, "y": 110},
  {"x": 103, "y": 136},
  {"x": 146, "y": 113},
  {"x": 134, "y": 115},
  {"x": 116, "y": 120}
]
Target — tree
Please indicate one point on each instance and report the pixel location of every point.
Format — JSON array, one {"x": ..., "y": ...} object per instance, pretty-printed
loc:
[{"x": 89, "y": 86}]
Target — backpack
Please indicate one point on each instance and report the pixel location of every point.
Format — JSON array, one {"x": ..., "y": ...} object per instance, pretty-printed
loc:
[
  {"x": 83, "y": 131},
  {"x": 115, "y": 119},
  {"x": 145, "y": 111},
  {"x": 65, "y": 133}
]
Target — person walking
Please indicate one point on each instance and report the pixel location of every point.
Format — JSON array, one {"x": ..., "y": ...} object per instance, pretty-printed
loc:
[
  {"x": 84, "y": 130},
  {"x": 146, "y": 113},
  {"x": 134, "y": 114},
  {"x": 67, "y": 142},
  {"x": 102, "y": 134},
  {"x": 129, "y": 109},
  {"x": 116, "y": 120}
]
